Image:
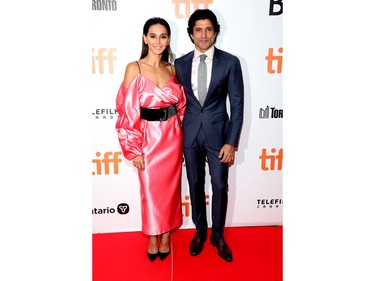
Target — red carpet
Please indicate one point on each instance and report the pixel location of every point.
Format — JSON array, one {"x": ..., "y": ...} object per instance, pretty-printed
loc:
[{"x": 257, "y": 255}]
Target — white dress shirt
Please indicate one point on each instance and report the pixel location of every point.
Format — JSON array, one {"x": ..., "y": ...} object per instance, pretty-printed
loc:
[{"x": 194, "y": 71}]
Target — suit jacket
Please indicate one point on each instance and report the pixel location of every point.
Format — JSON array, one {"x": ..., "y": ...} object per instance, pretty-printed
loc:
[{"x": 226, "y": 81}]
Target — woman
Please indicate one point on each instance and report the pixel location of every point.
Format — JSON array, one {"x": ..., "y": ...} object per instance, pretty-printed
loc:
[{"x": 151, "y": 104}]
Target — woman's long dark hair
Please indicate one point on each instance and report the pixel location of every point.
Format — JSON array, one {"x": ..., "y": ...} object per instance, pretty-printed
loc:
[{"x": 167, "y": 54}]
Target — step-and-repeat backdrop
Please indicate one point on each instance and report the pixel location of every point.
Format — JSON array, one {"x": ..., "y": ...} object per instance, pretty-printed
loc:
[{"x": 251, "y": 30}]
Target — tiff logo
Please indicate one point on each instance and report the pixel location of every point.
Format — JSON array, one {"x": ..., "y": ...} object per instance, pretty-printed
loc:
[
  {"x": 279, "y": 4},
  {"x": 109, "y": 160},
  {"x": 275, "y": 113},
  {"x": 186, "y": 205},
  {"x": 103, "y": 55},
  {"x": 269, "y": 161},
  {"x": 271, "y": 58},
  {"x": 187, "y": 3}
]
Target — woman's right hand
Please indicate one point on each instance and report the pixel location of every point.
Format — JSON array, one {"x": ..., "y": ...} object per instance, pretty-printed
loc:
[{"x": 139, "y": 162}]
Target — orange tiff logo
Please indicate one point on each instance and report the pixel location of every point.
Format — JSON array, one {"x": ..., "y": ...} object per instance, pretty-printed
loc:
[
  {"x": 271, "y": 59},
  {"x": 103, "y": 57},
  {"x": 186, "y": 205},
  {"x": 187, "y": 3},
  {"x": 271, "y": 161},
  {"x": 110, "y": 161}
]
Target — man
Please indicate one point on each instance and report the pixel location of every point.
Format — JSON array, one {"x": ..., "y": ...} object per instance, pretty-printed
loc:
[{"x": 209, "y": 133}]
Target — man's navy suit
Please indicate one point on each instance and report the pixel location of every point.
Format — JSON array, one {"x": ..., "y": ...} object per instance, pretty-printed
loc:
[{"x": 207, "y": 129}]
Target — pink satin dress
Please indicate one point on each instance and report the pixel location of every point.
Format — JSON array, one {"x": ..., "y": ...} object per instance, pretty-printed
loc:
[{"x": 160, "y": 142}]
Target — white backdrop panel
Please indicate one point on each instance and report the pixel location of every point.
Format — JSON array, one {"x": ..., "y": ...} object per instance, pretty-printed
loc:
[{"x": 247, "y": 31}]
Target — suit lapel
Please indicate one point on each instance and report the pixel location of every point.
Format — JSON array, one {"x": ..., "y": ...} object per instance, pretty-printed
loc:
[
  {"x": 218, "y": 66},
  {"x": 187, "y": 71}
]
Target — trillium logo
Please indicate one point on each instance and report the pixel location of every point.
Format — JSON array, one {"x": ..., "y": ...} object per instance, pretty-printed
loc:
[{"x": 123, "y": 209}]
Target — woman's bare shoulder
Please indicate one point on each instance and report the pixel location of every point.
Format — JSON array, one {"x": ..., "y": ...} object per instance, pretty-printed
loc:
[{"x": 131, "y": 71}]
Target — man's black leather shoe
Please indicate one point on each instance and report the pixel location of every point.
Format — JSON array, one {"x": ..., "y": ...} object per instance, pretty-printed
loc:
[
  {"x": 196, "y": 245},
  {"x": 222, "y": 248}
]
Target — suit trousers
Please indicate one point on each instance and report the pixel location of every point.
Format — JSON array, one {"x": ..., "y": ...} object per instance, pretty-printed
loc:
[{"x": 195, "y": 160}]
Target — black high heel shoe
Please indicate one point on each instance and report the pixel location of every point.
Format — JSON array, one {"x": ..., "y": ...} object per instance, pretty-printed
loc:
[
  {"x": 152, "y": 245},
  {"x": 162, "y": 256},
  {"x": 152, "y": 257}
]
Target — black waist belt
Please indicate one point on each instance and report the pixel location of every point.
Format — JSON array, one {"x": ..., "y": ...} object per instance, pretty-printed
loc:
[{"x": 160, "y": 114}]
